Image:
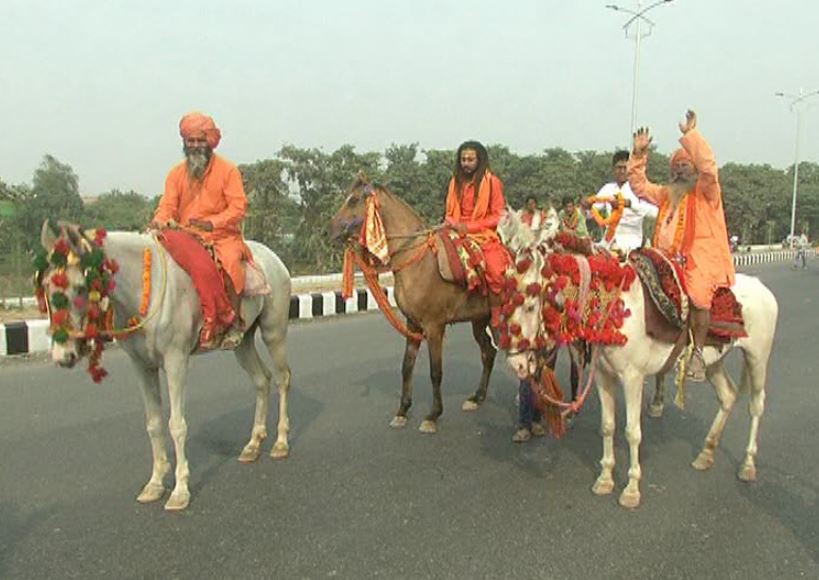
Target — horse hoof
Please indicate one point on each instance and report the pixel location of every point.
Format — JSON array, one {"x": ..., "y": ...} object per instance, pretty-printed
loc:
[
  {"x": 151, "y": 492},
  {"x": 655, "y": 411},
  {"x": 747, "y": 473},
  {"x": 249, "y": 454},
  {"x": 703, "y": 461},
  {"x": 178, "y": 501},
  {"x": 280, "y": 451},
  {"x": 398, "y": 422},
  {"x": 603, "y": 486},
  {"x": 428, "y": 426},
  {"x": 469, "y": 405},
  {"x": 630, "y": 499}
]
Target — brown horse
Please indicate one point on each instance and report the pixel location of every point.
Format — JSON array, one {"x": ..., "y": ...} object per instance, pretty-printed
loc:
[{"x": 427, "y": 300}]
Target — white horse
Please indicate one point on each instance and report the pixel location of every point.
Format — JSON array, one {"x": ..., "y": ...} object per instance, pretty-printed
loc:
[
  {"x": 516, "y": 235},
  {"x": 169, "y": 337},
  {"x": 644, "y": 356}
]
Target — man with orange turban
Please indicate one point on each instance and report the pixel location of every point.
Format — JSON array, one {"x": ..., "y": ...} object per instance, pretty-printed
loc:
[
  {"x": 690, "y": 224},
  {"x": 474, "y": 205},
  {"x": 203, "y": 205}
]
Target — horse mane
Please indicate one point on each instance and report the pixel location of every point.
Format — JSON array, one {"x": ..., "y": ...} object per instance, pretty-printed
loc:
[
  {"x": 383, "y": 189},
  {"x": 515, "y": 234}
]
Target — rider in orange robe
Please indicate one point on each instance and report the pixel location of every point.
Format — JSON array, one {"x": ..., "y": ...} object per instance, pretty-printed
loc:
[
  {"x": 204, "y": 194},
  {"x": 690, "y": 224},
  {"x": 474, "y": 206}
]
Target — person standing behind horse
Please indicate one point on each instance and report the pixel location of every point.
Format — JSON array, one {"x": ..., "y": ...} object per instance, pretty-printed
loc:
[
  {"x": 690, "y": 225},
  {"x": 474, "y": 205},
  {"x": 532, "y": 215},
  {"x": 571, "y": 218},
  {"x": 204, "y": 204},
  {"x": 628, "y": 234}
]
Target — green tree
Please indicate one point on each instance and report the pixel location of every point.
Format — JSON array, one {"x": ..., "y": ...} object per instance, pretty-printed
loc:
[
  {"x": 54, "y": 195},
  {"x": 321, "y": 180},
  {"x": 116, "y": 210}
]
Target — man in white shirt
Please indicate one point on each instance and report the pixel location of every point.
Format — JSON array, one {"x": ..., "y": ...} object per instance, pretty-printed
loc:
[{"x": 629, "y": 233}]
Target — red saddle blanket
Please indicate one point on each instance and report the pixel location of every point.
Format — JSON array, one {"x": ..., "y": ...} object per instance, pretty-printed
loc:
[
  {"x": 664, "y": 284},
  {"x": 461, "y": 261}
]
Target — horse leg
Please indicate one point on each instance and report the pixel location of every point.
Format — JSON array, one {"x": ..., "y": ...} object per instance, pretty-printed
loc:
[
  {"x": 633, "y": 387},
  {"x": 727, "y": 394},
  {"x": 176, "y": 369},
  {"x": 152, "y": 396},
  {"x": 655, "y": 409},
  {"x": 407, "y": 366},
  {"x": 488, "y": 353},
  {"x": 249, "y": 360},
  {"x": 277, "y": 346},
  {"x": 756, "y": 370},
  {"x": 605, "y": 390},
  {"x": 435, "y": 344}
]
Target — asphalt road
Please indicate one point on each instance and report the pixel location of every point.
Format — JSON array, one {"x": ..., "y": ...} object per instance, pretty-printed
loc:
[{"x": 359, "y": 500}]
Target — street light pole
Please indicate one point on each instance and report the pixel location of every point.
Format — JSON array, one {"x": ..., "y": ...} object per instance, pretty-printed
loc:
[
  {"x": 636, "y": 81},
  {"x": 796, "y": 101},
  {"x": 637, "y": 18}
]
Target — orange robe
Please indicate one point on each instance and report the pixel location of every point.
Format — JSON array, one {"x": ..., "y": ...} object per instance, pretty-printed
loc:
[
  {"x": 703, "y": 241},
  {"x": 481, "y": 214},
  {"x": 218, "y": 198}
]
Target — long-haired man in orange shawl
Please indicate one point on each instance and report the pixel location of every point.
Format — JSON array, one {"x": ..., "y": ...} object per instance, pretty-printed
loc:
[
  {"x": 474, "y": 205},
  {"x": 203, "y": 205},
  {"x": 690, "y": 224}
]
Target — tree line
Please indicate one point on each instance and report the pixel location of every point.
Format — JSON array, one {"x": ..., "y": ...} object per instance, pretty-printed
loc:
[{"x": 293, "y": 195}]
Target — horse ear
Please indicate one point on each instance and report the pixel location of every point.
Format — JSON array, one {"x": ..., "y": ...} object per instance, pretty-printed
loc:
[
  {"x": 47, "y": 237},
  {"x": 362, "y": 179},
  {"x": 74, "y": 234}
]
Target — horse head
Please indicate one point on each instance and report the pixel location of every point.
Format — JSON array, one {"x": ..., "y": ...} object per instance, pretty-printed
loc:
[
  {"x": 514, "y": 234},
  {"x": 346, "y": 223},
  {"x": 73, "y": 280}
]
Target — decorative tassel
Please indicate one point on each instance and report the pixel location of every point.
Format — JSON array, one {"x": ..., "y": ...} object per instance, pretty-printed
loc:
[
  {"x": 347, "y": 273},
  {"x": 682, "y": 368},
  {"x": 546, "y": 389}
]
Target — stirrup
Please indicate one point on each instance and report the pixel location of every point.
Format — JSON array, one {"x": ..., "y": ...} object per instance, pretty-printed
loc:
[
  {"x": 696, "y": 366},
  {"x": 232, "y": 339}
]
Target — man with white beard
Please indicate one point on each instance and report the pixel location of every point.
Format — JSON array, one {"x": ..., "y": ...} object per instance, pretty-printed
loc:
[{"x": 203, "y": 206}]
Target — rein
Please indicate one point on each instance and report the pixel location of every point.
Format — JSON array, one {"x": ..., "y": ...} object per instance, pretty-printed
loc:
[{"x": 353, "y": 258}]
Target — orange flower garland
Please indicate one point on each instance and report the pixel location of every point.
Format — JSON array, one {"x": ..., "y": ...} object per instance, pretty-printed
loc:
[
  {"x": 611, "y": 222},
  {"x": 665, "y": 215},
  {"x": 146, "y": 282}
]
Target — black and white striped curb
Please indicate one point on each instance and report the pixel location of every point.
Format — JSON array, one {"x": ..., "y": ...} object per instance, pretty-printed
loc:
[{"x": 31, "y": 336}]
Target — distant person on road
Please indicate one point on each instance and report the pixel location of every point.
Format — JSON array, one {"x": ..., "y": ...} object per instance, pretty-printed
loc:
[{"x": 801, "y": 251}]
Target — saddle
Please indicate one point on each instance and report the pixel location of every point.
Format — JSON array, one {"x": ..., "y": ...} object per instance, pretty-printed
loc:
[
  {"x": 667, "y": 305},
  {"x": 460, "y": 260}
]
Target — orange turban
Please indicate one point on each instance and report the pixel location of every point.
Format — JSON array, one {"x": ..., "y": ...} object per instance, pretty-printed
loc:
[
  {"x": 195, "y": 124},
  {"x": 679, "y": 156}
]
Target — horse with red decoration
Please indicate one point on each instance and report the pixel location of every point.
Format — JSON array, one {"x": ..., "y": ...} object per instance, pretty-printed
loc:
[
  {"x": 568, "y": 293},
  {"x": 97, "y": 286}
]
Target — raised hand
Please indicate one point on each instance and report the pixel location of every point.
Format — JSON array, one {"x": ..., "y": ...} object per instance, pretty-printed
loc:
[
  {"x": 642, "y": 141},
  {"x": 689, "y": 123}
]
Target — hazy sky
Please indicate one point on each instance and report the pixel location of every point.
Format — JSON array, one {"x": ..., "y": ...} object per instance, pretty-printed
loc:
[{"x": 101, "y": 84}]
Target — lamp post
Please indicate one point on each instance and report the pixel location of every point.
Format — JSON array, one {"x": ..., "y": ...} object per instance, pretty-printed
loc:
[
  {"x": 795, "y": 102},
  {"x": 638, "y": 18}
]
